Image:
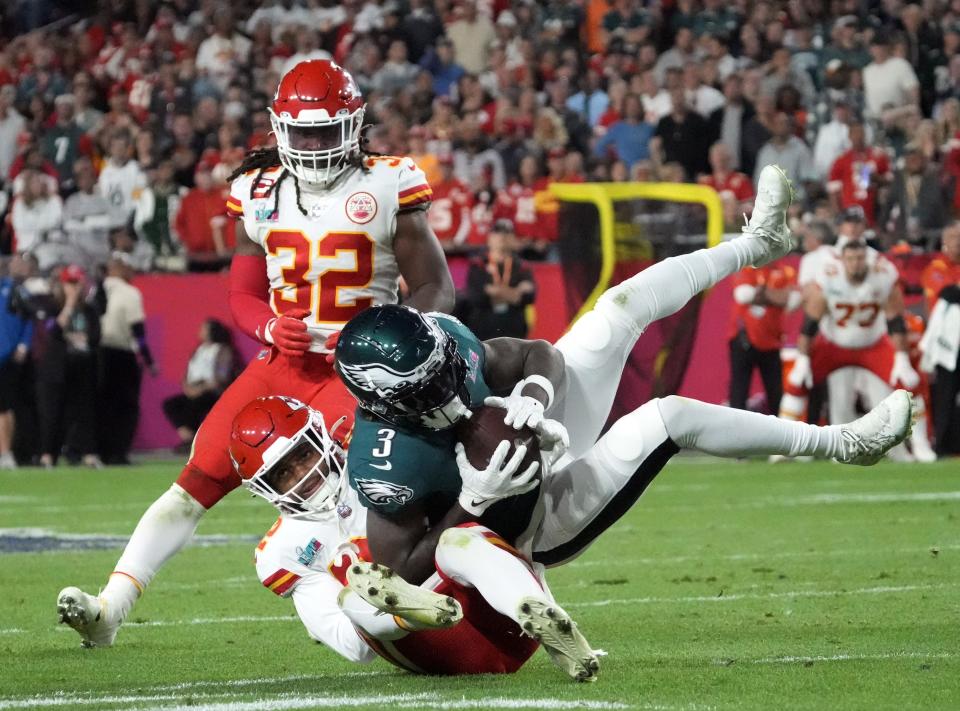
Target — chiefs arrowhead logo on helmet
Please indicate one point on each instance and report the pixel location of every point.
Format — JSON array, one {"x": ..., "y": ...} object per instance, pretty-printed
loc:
[{"x": 317, "y": 113}]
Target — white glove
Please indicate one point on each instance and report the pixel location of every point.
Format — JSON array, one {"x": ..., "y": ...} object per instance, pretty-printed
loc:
[
  {"x": 903, "y": 372},
  {"x": 801, "y": 375},
  {"x": 481, "y": 488},
  {"x": 554, "y": 439},
  {"x": 522, "y": 410}
]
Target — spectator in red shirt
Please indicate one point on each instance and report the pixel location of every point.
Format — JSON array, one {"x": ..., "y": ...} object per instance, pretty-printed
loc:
[
  {"x": 449, "y": 214},
  {"x": 546, "y": 205},
  {"x": 517, "y": 203},
  {"x": 726, "y": 181},
  {"x": 761, "y": 297},
  {"x": 202, "y": 224},
  {"x": 858, "y": 173}
]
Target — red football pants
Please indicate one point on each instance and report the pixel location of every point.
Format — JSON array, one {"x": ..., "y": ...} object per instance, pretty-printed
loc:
[
  {"x": 209, "y": 474},
  {"x": 826, "y": 357},
  {"x": 484, "y": 642}
]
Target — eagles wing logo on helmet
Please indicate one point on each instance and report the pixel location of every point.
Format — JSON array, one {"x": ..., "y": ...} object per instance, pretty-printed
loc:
[
  {"x": 377, "y": 377},
  {"x": 384, "y": 492}
]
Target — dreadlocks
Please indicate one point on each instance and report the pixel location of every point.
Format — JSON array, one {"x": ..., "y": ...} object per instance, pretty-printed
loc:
[{"x": 263, "y": 159}]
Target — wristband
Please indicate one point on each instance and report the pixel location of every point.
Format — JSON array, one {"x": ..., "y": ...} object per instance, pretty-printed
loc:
[
  {"x": 810, "y": 326},
  {"x": 267, "y": 334},
  {"x": 542, "y": 382}
]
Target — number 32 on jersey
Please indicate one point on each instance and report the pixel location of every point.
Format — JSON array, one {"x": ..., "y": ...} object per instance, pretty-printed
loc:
[{"x": 313, "y": 273}]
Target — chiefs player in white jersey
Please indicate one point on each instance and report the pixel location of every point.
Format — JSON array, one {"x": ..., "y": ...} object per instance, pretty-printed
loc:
[
  {"x": 850, "y": 308},
  {"x": 284, "y": 453},
  {"x": 324, "y": 231}
]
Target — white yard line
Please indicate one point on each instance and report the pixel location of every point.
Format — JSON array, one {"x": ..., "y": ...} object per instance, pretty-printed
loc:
[
  {"x": 707, "y": 556},
  {"x": 852, "y": 657},
  {"x": 427, "y": 700},
  {"x": 232, "y": 701},
  {"x": 882, "y": 590},
  {"x": 821, "y": 499}
]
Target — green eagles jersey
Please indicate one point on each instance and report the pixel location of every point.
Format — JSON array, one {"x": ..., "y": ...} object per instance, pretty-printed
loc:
[{"x": 391, "y": 467}]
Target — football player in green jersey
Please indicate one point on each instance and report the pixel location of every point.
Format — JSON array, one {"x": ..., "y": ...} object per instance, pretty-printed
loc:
[{"x": 416, "y": 375}]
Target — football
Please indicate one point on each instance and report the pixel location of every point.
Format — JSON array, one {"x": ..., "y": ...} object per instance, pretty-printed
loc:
[{"x": 482, "y": 433}]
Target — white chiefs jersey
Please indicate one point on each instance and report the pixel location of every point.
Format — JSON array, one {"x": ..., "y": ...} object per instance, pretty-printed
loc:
[
  {"x": 855, "y": 312},
  {"x": 294, "y": 549},
  {"x": 337, "y": 259}
]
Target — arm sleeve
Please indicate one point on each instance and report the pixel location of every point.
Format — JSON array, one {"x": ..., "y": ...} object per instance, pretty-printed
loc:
[
  {"x": 140, "y": 335},
  {"x": 249, "y": 295},
  {"x": 315, "y": 598}
]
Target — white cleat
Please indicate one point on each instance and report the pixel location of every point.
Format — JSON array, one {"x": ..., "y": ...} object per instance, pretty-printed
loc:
[
  {"x": 552, "y": 627},
  {"x": 769, "y": 219},
  {"x": 87, "y": 615},
  {"x": 866, "y": 440},
  {"x": 418, "y": 607}
]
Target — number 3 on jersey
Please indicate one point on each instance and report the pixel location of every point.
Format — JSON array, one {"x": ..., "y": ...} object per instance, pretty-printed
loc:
[{"x": 313, "y": 273}]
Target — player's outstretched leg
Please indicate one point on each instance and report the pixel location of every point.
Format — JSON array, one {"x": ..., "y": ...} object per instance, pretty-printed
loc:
[
  {"x": 597, "y": 346},
  {"x": 726, "y": 432},
  {"x": 474, "y": 556},
  {"x": 588, "y": 495},
  {"x": 165, "y": 527},
  {"x": 420, "y": 608}
]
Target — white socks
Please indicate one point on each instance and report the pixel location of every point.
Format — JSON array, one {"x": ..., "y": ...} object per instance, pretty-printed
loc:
[
  {"x": 726, "y": 432},
  {"x": 596, "y": 348},
  {"x": 165, "y": 528},
  {"x": 467, "y": 556},
  {"x": 663, "y": 288}
]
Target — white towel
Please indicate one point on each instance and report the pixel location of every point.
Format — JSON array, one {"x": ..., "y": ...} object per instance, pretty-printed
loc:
[{"x": 941, "y": 340}]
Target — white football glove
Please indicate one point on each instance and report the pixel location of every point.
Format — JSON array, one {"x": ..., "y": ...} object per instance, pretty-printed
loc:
[
  {"x": 481, "y": 488},
  {"x": 522, "y": 410},
  {"x": 801, "y": 374},
  {"x": 903, "y": 372},
  {"x": 554, "y": 439}
]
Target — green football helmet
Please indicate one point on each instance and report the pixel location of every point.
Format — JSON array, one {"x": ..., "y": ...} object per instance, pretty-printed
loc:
[{"x": 403, "y": 367}]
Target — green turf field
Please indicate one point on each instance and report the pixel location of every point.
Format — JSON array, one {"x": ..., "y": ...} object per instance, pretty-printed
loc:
[{"x": 731, "y": 585}]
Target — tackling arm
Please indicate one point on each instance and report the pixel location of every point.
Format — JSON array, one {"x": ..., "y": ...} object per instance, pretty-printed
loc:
[
  {"x": 250, "y": 301},
  {"x": 315, "y": 598},
  {"x": 406, "y": 543},
  {"x": 422, "y": 264}
]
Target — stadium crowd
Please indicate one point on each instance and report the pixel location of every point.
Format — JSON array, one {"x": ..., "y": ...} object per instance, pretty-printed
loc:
[{"x": 119, "y": 128}]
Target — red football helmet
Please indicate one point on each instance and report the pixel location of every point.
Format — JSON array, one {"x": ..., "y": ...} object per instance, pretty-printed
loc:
[
  {"x": 283, "y": 452},
  {"x": 317, "y": 115}
]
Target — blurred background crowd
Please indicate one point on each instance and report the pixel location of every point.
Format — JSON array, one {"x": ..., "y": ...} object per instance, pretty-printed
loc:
[{"x": 120, "y": 120}]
